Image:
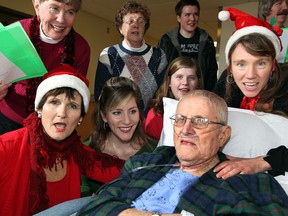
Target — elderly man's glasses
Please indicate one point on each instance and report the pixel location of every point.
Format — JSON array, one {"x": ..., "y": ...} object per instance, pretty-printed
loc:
[
  {"x": 132, "y": 21},
  {"x": 196, "y": 122}
]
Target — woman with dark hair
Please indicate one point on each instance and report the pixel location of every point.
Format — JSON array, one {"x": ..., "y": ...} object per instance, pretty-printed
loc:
[
  {"x": 51, "y": 32},
  {"x": 41, "y": 163},
  {"x": 254, "y": 81}
]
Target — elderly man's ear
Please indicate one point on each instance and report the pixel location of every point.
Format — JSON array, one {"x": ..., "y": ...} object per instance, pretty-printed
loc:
[{"x": 224, "y": 135}]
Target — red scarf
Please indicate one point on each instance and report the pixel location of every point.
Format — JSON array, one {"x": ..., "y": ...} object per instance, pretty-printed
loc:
[
  {"x": 67, "y": 55},
  {"x": 44, "y": 153},
  {"x": 249, "y": 103}
]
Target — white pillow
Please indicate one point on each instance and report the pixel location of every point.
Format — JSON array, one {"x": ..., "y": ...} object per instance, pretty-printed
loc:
[
  {"x": 253, "y": 133},
  {"x": 166, "y": 137}
]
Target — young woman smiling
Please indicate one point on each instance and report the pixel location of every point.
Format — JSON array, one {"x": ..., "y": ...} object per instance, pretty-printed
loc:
[{"x": 118, "y": 124}]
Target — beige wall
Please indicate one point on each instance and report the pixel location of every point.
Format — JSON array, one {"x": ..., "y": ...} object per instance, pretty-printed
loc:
[{"x": 98, "y": 32}]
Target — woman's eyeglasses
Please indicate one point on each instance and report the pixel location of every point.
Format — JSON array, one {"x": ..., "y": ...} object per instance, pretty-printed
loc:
[{"x": 132, "y": 22}]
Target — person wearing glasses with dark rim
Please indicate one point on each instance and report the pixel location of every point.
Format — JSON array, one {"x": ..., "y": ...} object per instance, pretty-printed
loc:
[{"x": 133, "y": 57}]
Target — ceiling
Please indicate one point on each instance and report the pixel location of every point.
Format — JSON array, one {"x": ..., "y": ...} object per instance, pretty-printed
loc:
[{"x": 163, "y": 17}]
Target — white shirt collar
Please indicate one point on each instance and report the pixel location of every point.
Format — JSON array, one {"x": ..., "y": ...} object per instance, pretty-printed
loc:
[
  {"x": 46, "y": 39},
  {"x": 140, "y": 49}
]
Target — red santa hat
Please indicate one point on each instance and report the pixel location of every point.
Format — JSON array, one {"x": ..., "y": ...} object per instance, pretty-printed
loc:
[
  {"x": 64, "y": 76},
  {"x": 246, "y": 24}
]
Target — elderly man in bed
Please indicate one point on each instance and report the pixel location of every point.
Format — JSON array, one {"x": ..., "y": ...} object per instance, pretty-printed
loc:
[{"x": 180, "y": 180}]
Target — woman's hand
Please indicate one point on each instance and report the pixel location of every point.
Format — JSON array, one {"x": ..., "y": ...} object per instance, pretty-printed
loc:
[
  {"x": 236, "y": 166},
  {"x": 4, "y": 90}
]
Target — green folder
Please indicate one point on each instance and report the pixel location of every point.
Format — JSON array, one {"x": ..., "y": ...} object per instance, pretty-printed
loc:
[{"x": 16, "y": 46}]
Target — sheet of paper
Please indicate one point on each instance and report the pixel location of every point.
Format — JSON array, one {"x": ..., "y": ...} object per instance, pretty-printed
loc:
[
  {"x": 9, "y": 71},
  {"x": 18, "y": 49}
]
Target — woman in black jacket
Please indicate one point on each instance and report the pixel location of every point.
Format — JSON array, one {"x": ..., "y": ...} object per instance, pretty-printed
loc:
[{"x": 255, "y": 81}]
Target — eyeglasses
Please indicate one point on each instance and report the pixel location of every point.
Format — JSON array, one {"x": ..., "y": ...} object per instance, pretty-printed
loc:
[
  {"x": 196, "y": 122},
  {"x": 132, "y": 21}
]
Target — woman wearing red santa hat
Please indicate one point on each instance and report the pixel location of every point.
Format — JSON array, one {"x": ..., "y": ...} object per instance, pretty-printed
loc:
[
  {"x": 42, "y": 162},
  {"x": 255, "y": 81}
]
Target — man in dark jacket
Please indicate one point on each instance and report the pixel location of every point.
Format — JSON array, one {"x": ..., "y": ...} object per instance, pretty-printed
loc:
[{"x": 190, "y": 40}]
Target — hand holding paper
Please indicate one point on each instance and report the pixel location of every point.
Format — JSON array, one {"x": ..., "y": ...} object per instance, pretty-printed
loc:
[{"x": 4, "y": 90}]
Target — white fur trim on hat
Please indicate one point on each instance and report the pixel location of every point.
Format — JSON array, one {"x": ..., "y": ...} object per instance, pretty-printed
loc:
[
  {"x": 63, "y": 80},
  {"x": 224, "y": 15},
  {"x": 249, "y": 30}
]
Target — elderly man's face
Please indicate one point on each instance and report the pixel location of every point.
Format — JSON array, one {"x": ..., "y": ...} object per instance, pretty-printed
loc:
[{"x": 198, "y": 146}]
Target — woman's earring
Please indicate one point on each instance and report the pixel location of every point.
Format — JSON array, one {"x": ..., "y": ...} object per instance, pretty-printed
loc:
[
  {"x": 80, "y": 121},
  {"x": 230, "y": 78},
  {"x": 271, "y": 77},
  {"x": 105, "y": 125},
  {"x": 39, "y": 115}
]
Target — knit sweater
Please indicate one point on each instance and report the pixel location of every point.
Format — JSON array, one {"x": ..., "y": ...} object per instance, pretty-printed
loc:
[{"x": 146, "y": 68}]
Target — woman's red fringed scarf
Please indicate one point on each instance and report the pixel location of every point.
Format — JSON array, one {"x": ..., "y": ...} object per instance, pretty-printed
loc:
[
  {"x": 46, "y": 152},
  {"x": 249, "y": 103}
]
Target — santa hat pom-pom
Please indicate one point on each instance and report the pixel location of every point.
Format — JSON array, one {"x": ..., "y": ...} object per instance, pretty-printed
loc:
[{"x": 223, "y": 15}]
